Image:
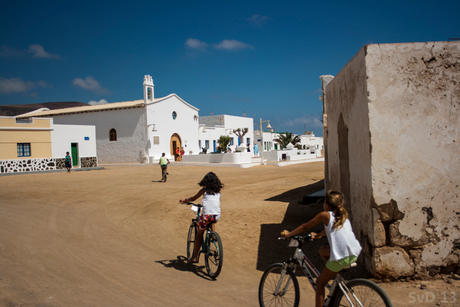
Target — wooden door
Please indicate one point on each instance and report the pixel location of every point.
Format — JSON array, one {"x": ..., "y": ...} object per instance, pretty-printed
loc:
[{"x": 175, "y": 143}]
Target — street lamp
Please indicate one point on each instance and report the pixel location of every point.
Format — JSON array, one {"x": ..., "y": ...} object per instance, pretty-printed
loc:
[{"x": 262, "y": 139}]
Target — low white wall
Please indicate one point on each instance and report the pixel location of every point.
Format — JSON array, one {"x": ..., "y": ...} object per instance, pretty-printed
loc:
[
  {"x": 291, "y": 155},
  {"x": 232, "y": 158}
]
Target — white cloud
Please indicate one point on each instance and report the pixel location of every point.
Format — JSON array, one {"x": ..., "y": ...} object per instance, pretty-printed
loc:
[
  {"x": 8, "y": 52},
  {"x": 226, "y": 44},
  {"x": 17, "y": 85},
  {"x": 38, "y": 51},
  {"x": 193, "y": 43},
  {"x": 93, "y": 102},
  {"x": 259, "y": 21},
  {"x": 90, "y": 84},
  {"x": 307, "y": 119},
  {"x": 231, "y": 44}
]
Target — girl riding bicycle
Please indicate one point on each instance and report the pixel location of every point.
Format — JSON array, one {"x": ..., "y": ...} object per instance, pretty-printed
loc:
[
  {"x": 344, "y": 248},
  {"x": 210, "y": 213}
]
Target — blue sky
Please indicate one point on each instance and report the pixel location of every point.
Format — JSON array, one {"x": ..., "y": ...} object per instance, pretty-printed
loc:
[{"x": 261, "y": 58}]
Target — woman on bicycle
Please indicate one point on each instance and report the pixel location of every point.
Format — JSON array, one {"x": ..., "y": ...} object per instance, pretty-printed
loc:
[
  {"x": 343, "y": 248},
  {"x": 210, "y": 212}
]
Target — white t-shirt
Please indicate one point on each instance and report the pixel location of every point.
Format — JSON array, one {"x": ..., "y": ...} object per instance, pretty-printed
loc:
[
  {"x": 211, "y": 204},
  {"x": 342, "y": 241}
]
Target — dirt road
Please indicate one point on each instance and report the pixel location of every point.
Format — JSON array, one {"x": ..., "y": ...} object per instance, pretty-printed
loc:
[{"x": 117, "y": 237}]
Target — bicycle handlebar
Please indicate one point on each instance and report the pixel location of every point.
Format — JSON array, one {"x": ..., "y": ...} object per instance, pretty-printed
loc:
[
  {"x": 196, "y": 205},
  {"x": 298, "y": 238}
]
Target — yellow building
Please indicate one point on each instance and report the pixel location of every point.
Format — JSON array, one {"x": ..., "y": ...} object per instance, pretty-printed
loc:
[{"x": 25, "y": 138}]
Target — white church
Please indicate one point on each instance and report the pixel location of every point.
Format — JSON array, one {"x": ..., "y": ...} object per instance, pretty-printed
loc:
[{"x": 141, "y": 130}]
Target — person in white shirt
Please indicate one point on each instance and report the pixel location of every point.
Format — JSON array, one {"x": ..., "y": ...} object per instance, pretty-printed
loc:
[
  {"x": 210, "y": 212},
  {"x": 343, "y": 248}
]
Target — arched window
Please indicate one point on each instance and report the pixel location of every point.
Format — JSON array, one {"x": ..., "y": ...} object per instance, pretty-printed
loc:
[{"x": 113, "y": 135}]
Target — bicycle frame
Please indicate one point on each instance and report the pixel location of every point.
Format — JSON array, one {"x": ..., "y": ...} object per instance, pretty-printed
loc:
[
  {"x": 204, "y": 242},
  {"x": 307, "y": 266}
]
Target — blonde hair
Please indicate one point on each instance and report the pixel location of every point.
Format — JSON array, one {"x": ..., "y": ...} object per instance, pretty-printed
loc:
[{"x": 336, "y": 201}]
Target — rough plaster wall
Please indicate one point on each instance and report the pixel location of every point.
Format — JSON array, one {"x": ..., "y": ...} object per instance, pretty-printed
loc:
[
  {"x": 414, "y": 106},
  {"x": 346, "y": 94},
  {"x": 130, "y": 125}
]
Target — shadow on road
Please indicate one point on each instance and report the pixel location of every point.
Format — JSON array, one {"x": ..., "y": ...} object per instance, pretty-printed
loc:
[
  {"x": 271, "y": 249},
  {"x": 301, "y": 209},
  {"x": 181, "y": 264}
]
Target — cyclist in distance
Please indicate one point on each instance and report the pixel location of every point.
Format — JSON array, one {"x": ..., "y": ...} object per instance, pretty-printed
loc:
[
  {"x": 343, "y": 248},
  {"x": 164, "y": 164},
  {"x": 210, "y": 190}
]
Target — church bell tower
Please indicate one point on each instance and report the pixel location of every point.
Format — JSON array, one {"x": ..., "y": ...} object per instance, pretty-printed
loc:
[{"x": 148, "y": 89}]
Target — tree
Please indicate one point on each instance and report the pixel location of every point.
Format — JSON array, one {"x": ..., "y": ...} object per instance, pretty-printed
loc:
[
  {"x": 285, "y": 138},
  {"x": 240, "y": 132},
  {"x": 223, "y": 141}
]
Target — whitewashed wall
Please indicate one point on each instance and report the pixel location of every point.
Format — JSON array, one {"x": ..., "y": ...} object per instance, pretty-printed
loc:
[
  {"x": 269, "y": 140},
  {"x": 218, "y": 125},
  {"x": 391, "y": 102},
  {"x": 185, "y": 125},
  {"x": 130, "y": 125},
  {"x": 312, "y": 141},
  {"x": 63, "y": 135}
]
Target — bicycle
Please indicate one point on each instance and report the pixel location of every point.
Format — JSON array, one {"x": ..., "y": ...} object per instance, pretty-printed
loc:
[
  {"x": 164, "y": 173},
  {"x": 279, "y": 286},
  {"x": 211, "y": 246}
]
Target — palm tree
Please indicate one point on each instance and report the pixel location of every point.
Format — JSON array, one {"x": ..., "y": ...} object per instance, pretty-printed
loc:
[
  {"x": 223, "y": 141},
  {"x": 285, "y": 138}
]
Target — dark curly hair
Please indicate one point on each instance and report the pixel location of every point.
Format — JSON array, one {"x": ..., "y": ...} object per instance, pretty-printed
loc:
[{"x": 211, "y": 183}]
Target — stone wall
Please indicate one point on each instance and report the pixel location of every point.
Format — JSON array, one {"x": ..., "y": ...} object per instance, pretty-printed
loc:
[
  {"x": 392, "y": 145},
  {"x": 27, "y": 165},
  {"x": 89, "y": 162},
  {"x": 34, "y": 165}
]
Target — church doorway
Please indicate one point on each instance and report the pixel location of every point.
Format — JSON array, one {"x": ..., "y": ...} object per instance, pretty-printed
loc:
[{"x": 175, "y": 144}]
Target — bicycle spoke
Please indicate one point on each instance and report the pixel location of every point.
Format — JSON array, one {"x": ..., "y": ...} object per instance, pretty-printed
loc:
[
  {"x": 288, "y": 289},
  {"x": 214, "y": 255}
]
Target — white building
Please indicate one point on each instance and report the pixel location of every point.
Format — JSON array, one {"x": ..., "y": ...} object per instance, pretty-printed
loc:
[
  {"x": 310, "y": 141},
  {"x": 37, "y": 144},
  {"x": 135, "y": 131},
  {"x": 141, "y": 130},
  {"x": 212, "y": 127}
]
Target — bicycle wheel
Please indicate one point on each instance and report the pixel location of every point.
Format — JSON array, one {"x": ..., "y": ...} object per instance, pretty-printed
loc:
[
  {"x": 362, "y": 292},
  {"x": 164, "y": 175},
  {"x": 288, "y": 293},
  {"x": 214, "y": 255},
  {"x": 191, "y": 240}
]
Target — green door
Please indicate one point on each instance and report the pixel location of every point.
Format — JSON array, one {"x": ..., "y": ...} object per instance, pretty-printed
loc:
[{"x": 75, "y": 154}]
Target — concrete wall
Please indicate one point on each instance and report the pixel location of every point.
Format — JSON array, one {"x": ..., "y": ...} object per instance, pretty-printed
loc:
[
  {"x": 393, "y": 126},
  {"x": 37, "y": 132}
]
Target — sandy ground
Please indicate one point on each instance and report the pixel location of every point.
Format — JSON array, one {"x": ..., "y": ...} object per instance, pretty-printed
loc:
[{"x": 117, "y": 237}]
